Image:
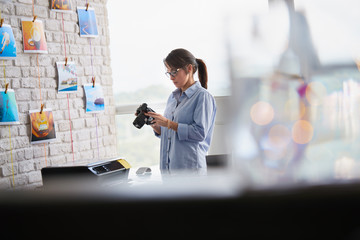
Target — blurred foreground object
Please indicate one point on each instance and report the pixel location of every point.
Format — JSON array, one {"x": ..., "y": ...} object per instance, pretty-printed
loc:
[{"x": 296, "y": 98}]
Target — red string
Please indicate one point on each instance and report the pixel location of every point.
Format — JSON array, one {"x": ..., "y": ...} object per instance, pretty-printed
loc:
[
  {"x": 62, "y": 16},
  {"x": 37, "y": 61},
  {"x": 45, "y": 154},
  {"x": 71, "y": 137}
]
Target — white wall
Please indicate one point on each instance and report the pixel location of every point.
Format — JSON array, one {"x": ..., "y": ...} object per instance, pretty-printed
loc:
[{"x": 22, "y": 74}]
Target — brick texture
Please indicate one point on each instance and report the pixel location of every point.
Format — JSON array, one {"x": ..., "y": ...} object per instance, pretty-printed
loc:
[{"x": 20, "y": 168}]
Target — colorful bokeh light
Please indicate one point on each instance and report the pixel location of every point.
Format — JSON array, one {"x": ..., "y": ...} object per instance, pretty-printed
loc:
[
  {"x": 262, "y": 113},
  {"x": 302, "y": 132}
]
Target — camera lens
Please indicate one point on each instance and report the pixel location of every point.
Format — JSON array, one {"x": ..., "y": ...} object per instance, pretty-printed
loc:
[{"x": 139, "y": 121}]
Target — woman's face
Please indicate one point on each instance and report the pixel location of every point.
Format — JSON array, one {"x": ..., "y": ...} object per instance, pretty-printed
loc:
[{"x": 181, "y": 78}]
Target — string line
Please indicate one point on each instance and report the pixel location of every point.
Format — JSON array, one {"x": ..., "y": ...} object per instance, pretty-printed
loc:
[
  {"x": 37, "y": 61},
  {"x": 62, "y": 17},
  {"x": 11, "y": 155},
  {"x": 4, "y": 69},
  {"x": 33, "y": 8},
  {"x": 71, "y": 137},
  {"x": 45, "y": 155},
  {"x": 91, "y": 54},
  {"x": 97, "y": 136},
  {"x": 12, "y": 160},
  {"x": 96, "y": 122}
]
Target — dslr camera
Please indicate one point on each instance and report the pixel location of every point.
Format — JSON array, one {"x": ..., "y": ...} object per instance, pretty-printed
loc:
[{"x": 141, "y": 118}]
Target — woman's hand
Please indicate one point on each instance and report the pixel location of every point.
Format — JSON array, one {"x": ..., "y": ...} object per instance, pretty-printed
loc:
[
  {"x": 155, "y": 125},
  {"x": 159, "y": 119}
]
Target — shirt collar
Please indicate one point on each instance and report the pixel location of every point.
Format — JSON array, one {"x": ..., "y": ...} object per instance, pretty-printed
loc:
[{"x": 188, "y": 92}]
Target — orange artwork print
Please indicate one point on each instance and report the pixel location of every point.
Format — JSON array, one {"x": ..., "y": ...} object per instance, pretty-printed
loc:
[
  {"x": 34, "y": 37},
  {"x": 61, "y": 5},
  {"x": 42, "y": 126}
]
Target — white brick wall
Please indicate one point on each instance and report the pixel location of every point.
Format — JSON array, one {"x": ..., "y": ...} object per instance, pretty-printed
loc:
[{"x": 22, "y": 74}]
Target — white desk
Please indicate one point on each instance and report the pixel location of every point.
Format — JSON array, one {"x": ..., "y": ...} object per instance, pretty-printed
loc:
[{"x": 153, "y": 179}]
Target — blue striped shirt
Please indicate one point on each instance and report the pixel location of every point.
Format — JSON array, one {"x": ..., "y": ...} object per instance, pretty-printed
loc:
[{"x": 194, "y": 110}]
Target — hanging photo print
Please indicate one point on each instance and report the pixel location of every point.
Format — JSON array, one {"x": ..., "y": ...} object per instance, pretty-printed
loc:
[
  {"x": 60, "y": 5},
  {"x": 8, "y": 108},
  {"x": 67, "y": 77},
  {"x": 7, "y": 46},
  {"x": 94, "y": 98},
  {"x": 42, "y": 126},
  {"x": 87, "y": 22},
  {"x": 33, "y": 36}
]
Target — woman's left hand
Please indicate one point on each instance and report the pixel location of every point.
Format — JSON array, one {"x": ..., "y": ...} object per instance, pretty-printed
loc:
[{"x": 158, "y": 119}]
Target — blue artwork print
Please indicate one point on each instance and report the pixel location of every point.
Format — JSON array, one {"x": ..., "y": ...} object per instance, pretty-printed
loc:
[
  {"x": 94, "y": 98},
  {"x": 87, "y": 22},
  {"x": 67, "y": 77},
  {"x": 7, "y": 42},
  {"x": 8, "y": 108}
]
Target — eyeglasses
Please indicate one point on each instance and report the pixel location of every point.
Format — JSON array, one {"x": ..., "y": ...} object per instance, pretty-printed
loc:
[{"x": 172, "y": 73}]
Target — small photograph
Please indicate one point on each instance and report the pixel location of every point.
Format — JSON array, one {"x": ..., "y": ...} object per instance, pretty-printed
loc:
[
  {"x": 8, "y": 45},
  {"x": 67, "y": 77},
  {"x": 87, "y": 22},
  {"x": 8, "y": 108},
  {"x": 33, "y": 36},
  {"x": 60, "y": 5},
  {"x": 42, "y": 126},
  {"x": 94, "y": 98}
]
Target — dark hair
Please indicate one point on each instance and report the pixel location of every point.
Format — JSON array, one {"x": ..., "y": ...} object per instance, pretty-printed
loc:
[{"x": 180, "y": 58}]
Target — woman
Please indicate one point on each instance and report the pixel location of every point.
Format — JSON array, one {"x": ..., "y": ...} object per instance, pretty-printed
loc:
[{"x": 186, "y": 128}]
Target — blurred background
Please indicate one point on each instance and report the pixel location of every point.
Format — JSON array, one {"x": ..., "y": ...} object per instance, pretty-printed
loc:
[
  {"x": 284, "y": 74},
  {"x": 296, "y": 90}
]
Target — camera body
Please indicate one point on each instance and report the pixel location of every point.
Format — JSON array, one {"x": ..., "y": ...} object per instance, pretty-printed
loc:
[{"x": 141, "y": 118}]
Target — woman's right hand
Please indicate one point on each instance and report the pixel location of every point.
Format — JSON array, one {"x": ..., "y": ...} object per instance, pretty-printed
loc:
[{"x": 156, "y": 127}]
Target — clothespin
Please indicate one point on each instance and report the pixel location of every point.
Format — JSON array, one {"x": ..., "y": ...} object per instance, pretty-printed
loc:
[
  {"x": 34, "y": 18},
  {"x": 93, "y": 81},
  {"x": 66, "y": 61},
  {"x": 6, "y": 87},
  {"x": 1, "y": 22},
  {"x": 42, "y": 108},
  {"x": 87, "y": 6}
]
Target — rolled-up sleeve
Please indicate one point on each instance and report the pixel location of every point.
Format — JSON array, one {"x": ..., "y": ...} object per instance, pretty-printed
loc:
[{"x": 183, "y": 132}]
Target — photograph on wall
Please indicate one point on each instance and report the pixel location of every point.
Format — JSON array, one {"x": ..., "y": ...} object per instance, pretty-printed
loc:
[
  {"x": 33, "y": 36},
  {"x": 42, "y": 126},
  {"x": 94, "y": 98},
  {"x": 87, "y": 22},
  {"x": 60, "y": 5},
  {"x": 8, "y": 45},
  {"x": 67, "y": 77},
  {"x": 8, "y": 108}
]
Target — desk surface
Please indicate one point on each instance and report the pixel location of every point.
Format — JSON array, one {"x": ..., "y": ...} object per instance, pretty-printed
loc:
[{"x": 153, "y": 178}]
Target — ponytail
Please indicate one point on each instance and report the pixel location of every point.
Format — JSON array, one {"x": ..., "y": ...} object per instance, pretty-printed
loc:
[
  {"x": 202, "y": 72},
  {"x": 180, "y": 58}
]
